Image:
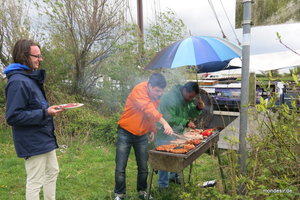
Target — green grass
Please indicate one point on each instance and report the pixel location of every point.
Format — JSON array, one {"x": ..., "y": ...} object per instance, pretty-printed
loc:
[{"x": 87, "y": 172}]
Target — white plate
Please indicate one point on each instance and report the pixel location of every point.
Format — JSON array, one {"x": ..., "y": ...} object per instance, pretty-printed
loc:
[{"x": 71, "y": 105}]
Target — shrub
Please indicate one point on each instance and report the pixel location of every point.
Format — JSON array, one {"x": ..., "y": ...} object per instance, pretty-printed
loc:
[
  {"x": 86, "y": 124},
  {"x": 274, "y": 158}
]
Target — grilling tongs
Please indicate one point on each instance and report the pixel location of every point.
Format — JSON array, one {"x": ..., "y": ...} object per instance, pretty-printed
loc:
[{"x": 180, "y": 136}]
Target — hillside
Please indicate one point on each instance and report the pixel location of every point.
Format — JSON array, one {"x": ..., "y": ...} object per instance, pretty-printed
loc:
[{"x": 267, "y": 12}]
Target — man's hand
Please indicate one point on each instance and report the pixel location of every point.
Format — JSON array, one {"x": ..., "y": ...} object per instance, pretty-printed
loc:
[
  {"x": 191, "y": 125},
  {"x": 200, "y": 104},
  {"x": 167, "y": 128},
  {"x": 151, "y": 136}
]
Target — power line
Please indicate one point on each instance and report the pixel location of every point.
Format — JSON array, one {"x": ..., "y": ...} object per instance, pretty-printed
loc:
[
  {"x": 157, "y": 10},
  {"x": 230, "y": 24},
  {"x": 214, "y": 11},
  {"x": 128, "y": 13}
]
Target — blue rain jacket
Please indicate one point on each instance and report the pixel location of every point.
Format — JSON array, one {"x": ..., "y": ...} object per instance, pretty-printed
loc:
[{"x": 26, "y": 111}]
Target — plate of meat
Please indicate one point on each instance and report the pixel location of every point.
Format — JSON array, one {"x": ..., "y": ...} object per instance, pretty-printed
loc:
[{"x": 71, "y": 105}]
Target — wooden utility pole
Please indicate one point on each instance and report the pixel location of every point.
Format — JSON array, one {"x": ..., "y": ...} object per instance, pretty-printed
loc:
[
  {"x": 141, "y": 28},
  {"x": 140, "y": 18}
]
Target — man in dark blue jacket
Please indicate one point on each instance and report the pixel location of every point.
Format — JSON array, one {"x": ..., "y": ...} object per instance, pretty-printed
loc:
[{"x": 31, "y": 118}]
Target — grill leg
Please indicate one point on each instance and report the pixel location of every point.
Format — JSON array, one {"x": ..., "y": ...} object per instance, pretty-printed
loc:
[
  {"x": 181, "y": 180},
  {"x": 190, "y": 172},
  {"x": 220, "y": 167},
  {"x": 150, "y": 184}
]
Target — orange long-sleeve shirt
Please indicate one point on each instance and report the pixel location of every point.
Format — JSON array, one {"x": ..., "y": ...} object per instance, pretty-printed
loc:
[{"x": 140, "y": 112}]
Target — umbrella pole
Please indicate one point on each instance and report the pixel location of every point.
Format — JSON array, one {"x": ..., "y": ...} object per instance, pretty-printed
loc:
[
  {"x": 196, "y": 74},
  {"x": 198, "y": 96},
  {"x": 196, "y": 77}
]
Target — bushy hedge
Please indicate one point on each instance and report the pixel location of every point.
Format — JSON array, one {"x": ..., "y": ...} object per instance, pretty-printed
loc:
[
  {"x": 2, "y": 93},
  {"x": 86, "y": 125},
  {"x": 2, "y": 104}
]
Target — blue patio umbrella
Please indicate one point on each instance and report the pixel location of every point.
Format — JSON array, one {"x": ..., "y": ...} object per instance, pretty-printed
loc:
[{"x": 208, "y": 54}]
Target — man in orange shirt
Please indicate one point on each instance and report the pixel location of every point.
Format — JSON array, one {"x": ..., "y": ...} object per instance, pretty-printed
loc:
[{"x": 137, "y": 121}]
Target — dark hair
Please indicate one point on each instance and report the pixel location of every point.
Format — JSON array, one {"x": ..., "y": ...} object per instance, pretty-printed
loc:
[
  {"x": 21, "y": 52},
  {"x": 192, "y": 87},
  {"x": 157, "y": 80}
]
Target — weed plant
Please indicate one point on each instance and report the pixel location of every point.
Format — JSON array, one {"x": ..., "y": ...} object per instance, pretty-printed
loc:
[{"x": 273, "y": 160}]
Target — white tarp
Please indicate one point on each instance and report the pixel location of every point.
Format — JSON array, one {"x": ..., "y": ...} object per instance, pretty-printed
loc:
[{"x": 270, "y": 61}]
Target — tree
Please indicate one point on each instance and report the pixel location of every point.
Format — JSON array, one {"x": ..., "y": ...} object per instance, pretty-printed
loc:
[
  {"x": 14, "y": 25},
  {"x": 126, "y": 69},
  {"x": 165, "y": 30},
  {"x": 295, "y": 71},
  {"x": 274, "y": 73},
  {"x": 266, "y": 12},
  {"x": 88, "y": 30}
]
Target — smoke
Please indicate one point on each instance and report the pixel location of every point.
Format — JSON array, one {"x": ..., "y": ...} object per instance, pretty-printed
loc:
[{"x": 175, "y": 76}]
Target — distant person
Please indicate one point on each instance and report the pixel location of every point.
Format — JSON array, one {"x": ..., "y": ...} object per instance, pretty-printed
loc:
[
  {"x": 179, "y": 110},
  {"x": 137, "y": 121},
  {"x": 31, "y": 118}
]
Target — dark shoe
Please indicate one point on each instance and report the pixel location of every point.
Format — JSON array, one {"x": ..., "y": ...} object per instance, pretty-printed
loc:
[
  {"x": 143, "y": 195},
  {"x": 175, "y": 180},
  {"x": 163, "y": 189}
]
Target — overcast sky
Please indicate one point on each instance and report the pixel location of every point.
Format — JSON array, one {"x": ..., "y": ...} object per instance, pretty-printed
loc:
[{"x": 200, "y": 20}]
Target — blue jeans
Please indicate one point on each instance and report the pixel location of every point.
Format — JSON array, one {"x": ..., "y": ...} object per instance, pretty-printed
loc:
[
  {"x": 140, "y": 145},
  {"x": 164, "y": 176}
]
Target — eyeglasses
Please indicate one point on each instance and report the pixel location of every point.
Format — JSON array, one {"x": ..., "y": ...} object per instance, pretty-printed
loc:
[{"x": 36, "y": 56}]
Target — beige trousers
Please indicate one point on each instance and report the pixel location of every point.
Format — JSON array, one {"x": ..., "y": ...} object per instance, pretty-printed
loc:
[{"x": 42, "y": 171}]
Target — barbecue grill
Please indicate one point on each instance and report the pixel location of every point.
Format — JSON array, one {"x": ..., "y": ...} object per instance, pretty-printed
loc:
[{"x": 172, "y": 162}]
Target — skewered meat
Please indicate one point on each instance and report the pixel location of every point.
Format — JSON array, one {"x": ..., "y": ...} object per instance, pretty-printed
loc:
[
  {"x": 181, "y": 150},
  {"x": 173, "y": 148},
  {"x": 194, "y": 141},
  {"x": 193, "y": 135},
  {"x": 188, "y": 146},
  {"x": 198, "y": 131},
  {"x": 165, "y": 147}
]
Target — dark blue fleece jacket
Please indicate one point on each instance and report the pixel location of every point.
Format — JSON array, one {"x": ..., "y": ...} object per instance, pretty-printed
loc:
[{"x": 26, "y": 111}]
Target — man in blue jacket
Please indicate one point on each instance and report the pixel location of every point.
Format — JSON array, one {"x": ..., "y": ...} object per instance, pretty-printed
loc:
[{"x": 31, "y": 118}]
